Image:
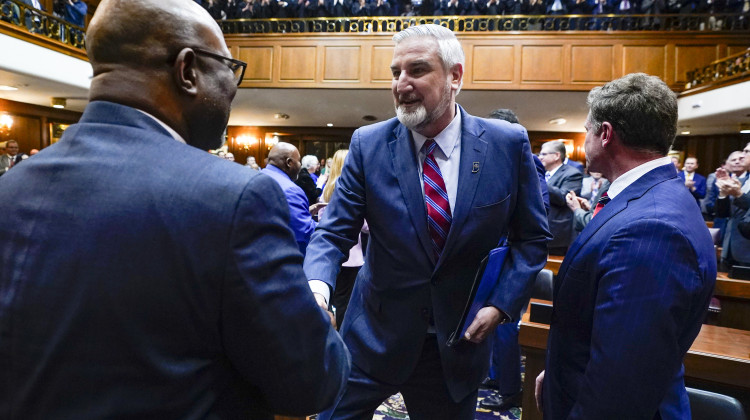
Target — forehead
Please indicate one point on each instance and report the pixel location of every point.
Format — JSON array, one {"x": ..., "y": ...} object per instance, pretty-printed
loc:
[
  {"x": 416, "y": 48},
  {"x": 691, "y": 160}
]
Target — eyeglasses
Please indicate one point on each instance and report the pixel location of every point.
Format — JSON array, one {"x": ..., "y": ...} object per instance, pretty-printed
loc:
[{"x": 238, "y": 67}]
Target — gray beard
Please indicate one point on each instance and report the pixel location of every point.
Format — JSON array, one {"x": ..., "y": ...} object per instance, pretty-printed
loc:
[{"x": 419, "y": 118}]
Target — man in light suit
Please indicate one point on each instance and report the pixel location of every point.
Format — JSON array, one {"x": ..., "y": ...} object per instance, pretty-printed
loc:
[
  {"x": 11, "y": 156},
  {"x": 142, "y": 277},
  {"x": 694, "y": 182},
  {"x": 623, "y": 319},
  {"x": 561, "y": 179},
  {"x": 414, "y": 284}
]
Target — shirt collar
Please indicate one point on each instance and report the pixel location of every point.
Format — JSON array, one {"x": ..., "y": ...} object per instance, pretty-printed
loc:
[
  {"x": 629, "y": 177},
  {"x": 166, "y": 127},
  {"x": 446, "y": 140},
  {"x": 552, "y": 172}
]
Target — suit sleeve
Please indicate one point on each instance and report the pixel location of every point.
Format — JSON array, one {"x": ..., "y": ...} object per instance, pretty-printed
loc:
[
  {"x": 700, "y": 188},
  {"x": 528, "y": 234},
  {"x": 646, "y": 315},
  {"x": 572, "y": 182},
  {"x": 272, "y": 329},
  {"x": 301, "y": 221},
  {"x": 337, "y": 233}
]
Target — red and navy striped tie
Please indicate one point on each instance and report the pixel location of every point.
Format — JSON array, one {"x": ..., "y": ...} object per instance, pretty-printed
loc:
[{"x": 438, "y": 207}]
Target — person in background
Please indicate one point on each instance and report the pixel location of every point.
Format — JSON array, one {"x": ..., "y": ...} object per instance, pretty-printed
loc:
[
  {"x": 284, "y": 167},
  {"x": 306, "y": 181},
  {"x": 75, "y": 12},
  {"x": 11, "y": 156},
  {"x": 505, "y": 364},
  {"x": 561, "y": 179},
  {"x": 694, "y": 182},
  {"x": 350, "y": 267}
]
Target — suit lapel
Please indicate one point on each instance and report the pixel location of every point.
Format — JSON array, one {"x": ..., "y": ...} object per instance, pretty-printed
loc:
[
  {"x": 473, "y": 153},
  {"x": 401, "y": 147},
  {"x": 634, "y": 191}
]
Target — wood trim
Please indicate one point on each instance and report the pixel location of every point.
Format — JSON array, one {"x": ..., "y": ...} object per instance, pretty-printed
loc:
[{"x": 541, "y": 71}]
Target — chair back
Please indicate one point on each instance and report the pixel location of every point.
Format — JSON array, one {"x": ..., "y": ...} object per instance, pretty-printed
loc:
[
  {"x": 706, "y": 405},
  {"x": 543, "y": 285}
]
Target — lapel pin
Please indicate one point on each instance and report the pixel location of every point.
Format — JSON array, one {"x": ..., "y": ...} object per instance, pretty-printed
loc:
[{"x": 475, "y": 167}]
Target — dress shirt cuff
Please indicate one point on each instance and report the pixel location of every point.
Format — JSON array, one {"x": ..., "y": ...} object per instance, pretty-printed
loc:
[{"x": 321, "y": 287}]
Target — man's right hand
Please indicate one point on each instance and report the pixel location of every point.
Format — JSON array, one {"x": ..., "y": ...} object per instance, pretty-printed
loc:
[{"x": 324, "y": 306}]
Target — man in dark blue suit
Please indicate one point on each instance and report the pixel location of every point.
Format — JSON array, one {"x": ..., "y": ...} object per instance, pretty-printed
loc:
[
  {"x": 694, "y": 182},
  {"x": 623, "y": 319},
  {"x": 140, "y": 276},
  {"x": 479, "y": 177}
]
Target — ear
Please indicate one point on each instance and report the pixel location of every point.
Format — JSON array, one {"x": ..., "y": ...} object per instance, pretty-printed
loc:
[
  {"x": 457, "y": 74},
  {"x": 608, "y": 134},
  {"x": 185, "y": 72}
]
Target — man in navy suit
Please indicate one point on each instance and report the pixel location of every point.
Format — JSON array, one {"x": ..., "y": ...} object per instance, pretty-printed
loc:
[
  {"x": 142, "y": 277},
  {"x": 623, "y": 319},
  {"x": 694, "y": 182},
  {"x": 476, "y": 174},
  {"x": 561, "y": 179}
]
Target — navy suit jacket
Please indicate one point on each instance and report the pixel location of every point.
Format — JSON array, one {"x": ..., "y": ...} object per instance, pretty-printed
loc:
[
  {"x": 629, "y": 300},
  {"x": 401, "y": 286},
  {"x": 141, "y": 277},
  {"x": 700, "y": 185},
  {"x": 566, "y": 178}
]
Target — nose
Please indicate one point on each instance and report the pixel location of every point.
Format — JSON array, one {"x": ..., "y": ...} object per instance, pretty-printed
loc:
[{"x": 403, "y": 83}]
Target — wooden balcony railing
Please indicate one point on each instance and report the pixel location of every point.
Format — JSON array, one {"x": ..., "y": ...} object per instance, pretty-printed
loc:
[
  {"x": 28, "y": 19},
  {"x": 735, "y": 66},
  {"x": 681, "y": 22}
]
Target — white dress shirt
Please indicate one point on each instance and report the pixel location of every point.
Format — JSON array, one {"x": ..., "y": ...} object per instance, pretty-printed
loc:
[{"x": 629, "y": 177}]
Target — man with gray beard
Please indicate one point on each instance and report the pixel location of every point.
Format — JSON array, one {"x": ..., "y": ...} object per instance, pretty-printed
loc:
[{"x": 439, "y": 188}]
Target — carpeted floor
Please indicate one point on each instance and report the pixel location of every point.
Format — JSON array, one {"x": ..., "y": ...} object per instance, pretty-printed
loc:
[{"x": 393, "y": 409}]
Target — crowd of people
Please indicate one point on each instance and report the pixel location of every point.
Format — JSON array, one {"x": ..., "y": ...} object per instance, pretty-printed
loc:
[{"x": 266, "y": 9}]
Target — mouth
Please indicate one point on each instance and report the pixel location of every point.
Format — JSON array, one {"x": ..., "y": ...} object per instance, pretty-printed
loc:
[{"x": 408, "y": 101}]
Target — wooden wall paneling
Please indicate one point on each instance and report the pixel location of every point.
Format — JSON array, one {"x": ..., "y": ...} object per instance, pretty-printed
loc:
[
  {"x": 540, "y": 61},
  {"x": 260, "y": 60},
  {"x": 298, "y": 63},
  {"x": 689, "y": 57},
  {"x": 736, "y": 49},
  {"x": 342, "y": 63},
  {"x": 492, "y": 64},
  {"x": 649, "y": 59},
  {"x": 542, "y": 64},
  {"x": 591, "y": 63},
  {"x": 380, "y": 64}
]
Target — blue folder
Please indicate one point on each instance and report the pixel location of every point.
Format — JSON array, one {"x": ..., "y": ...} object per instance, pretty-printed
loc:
[{"x": 485, "y": 281}]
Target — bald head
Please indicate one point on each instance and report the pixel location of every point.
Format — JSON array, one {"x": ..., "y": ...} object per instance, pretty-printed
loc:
[
  {"x": 143, "y": 33},
  {"x": 164, "y": 57},
  {"x": 287, "y": 158}
]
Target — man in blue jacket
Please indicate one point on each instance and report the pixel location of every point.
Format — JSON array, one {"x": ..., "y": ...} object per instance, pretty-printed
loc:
[
  {"x": 623, "y": 319},
  {"x": 439, "y": 188},
  {"x": 141, "y": 277}
]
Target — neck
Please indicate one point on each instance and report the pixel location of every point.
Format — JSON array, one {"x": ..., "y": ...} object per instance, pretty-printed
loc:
[
  {"x": 554, "y": 166},
  {"x": 623, "y": 160},
  {"x": 436, "y": 127},
  {"x": 147, "y": 93}
]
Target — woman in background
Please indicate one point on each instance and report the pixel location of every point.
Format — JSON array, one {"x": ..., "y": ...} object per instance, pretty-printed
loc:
[{"x": 350, "y": 268}]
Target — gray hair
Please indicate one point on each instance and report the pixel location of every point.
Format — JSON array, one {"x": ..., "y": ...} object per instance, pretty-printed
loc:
[
  {"x": 641, "y": 108},
  {"x": 309, "y": 161},
  {"x": 449, "y": 49},
  {"x": 558, "y": 147}
]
